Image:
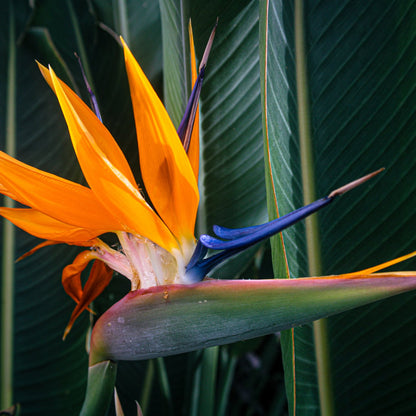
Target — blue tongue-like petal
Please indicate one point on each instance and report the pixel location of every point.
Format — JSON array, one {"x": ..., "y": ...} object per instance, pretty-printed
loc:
[
  {"x": 245, "y": 237},
  {"x": 93, "y": 98},
  {"x": 187, "y": 123},
  {"x": 235, "y": 240}
]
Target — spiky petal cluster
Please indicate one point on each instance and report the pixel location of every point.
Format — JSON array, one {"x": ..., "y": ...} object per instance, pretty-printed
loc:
[{"x": 157, "y": 239}]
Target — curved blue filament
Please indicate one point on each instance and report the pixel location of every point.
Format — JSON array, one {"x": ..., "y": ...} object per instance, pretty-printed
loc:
[{"x": 93, "y": 98}]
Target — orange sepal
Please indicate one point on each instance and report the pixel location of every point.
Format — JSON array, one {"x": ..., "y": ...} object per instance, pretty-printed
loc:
[
  {"x": 106, "y": 169},
  {"x": 98, "y": 280},
  {"x": 164, "y": 164},
  {"x": 381, "y": 266},
  {"x": 56, "y": 197},
  {"x": 47, "y": 228},
  {"x": 7, "y": 192},
  {"x": 46, "y": 243},
  {"x": 36, "y": 248}
]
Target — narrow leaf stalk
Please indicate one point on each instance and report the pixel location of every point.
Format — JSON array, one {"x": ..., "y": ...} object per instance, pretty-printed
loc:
[
  {"x": 208, "y": 382},
  {"x": 311, "y": 223},
  {"x": 7, "y": 302},
  {"x": 164, "y": 384},
  {"x": 147, "y": 386}
]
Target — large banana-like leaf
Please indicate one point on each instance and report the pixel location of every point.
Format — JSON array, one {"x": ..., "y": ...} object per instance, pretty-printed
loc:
[
  {"x": 355, "y": 85},
  {"x": 35, "y": 132}
]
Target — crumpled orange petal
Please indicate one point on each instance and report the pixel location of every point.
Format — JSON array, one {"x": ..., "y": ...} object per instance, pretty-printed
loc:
[
  {"x": 43, "y": 226},
  {"x": 99, "y": 278},
  {"x": 71, "y": 274},
  {"x": 165, "y": 167},
  {"x": 107, "y": 171}
]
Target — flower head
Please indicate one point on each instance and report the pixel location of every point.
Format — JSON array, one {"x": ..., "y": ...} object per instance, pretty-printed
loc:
[{"x": 156, "y": 235}]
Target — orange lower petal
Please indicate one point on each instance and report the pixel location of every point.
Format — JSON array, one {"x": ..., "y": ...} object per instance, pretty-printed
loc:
[
  {"x": 36, "y": 248},
  {"x": 98, "y": 280},
  {"x": 10, "y": 194},
  {"x": 47, "y": 228},
  {"x": 56, "y": 197}
]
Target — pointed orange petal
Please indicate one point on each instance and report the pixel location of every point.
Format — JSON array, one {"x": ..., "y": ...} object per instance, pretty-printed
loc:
[
  {"x": 46, "y": 243},
  {"x": 42, "y": 226},
  {"x": 59, "y": 198},
  {"x": 36, "y": 248},
  {"x": 87, "y": 125},
  {"x": 10, "y": 194},
  {"x": 106, "y": 170},
  {"x": 193, "y": 151},
  {"x": 383, "y": 265},
  {"x": 165, "y": 167},
  {"x": 98, "y": 280}
]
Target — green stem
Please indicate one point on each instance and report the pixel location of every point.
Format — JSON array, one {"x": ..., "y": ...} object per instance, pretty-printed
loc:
[
  {"x": 208, "y": 382},
  {"x": 147, "y": 387},
  {"x": 164, "y": 384},
  {"x": 227, "y": 379},
  {"x": 7, "y": 290},
  {"x": 312, "y": 230}
]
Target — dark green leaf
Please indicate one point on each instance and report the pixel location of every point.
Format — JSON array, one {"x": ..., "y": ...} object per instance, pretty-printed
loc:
[{"x": 361, "y": 80}]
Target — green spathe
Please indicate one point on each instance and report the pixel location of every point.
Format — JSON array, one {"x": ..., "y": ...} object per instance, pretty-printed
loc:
[{"x": 174, "y": 319}]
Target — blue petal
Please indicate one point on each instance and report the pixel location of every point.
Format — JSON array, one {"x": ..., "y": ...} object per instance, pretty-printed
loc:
[
  {"x": 232, "y": 233},
  {"x": 198, "y": 267},
  {"x": 187, "y": 122},
  {"x": 199, "y": 270},
  {"x": 198, "y": 254},
  {"x": 253, "y": 235},
  {"x": 93, "y": 98},
  {"x": 239, "y": 239}
]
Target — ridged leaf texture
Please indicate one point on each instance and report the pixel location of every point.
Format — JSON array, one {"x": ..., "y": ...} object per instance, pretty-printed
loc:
[{"x": 361, "y": 80}]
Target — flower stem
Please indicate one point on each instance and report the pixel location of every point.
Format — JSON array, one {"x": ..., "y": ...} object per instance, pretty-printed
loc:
[
  {"x": 312, "y": 231},
  {"x": 7, "y": 290}
]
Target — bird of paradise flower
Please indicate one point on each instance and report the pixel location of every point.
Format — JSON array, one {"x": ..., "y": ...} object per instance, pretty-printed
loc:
[
  {"x": 157, "y": 240},
  {"x": 156, "y": 235}
]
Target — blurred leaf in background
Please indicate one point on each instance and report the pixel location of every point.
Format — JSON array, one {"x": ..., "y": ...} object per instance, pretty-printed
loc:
[{"x": 358, "y": 93}]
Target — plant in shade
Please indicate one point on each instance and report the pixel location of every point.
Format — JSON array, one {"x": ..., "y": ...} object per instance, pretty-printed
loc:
[{"x": 172, "y": 306}]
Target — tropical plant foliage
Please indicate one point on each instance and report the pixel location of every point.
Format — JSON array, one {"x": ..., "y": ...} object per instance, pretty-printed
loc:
[{"x": 299, "y": 98}]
